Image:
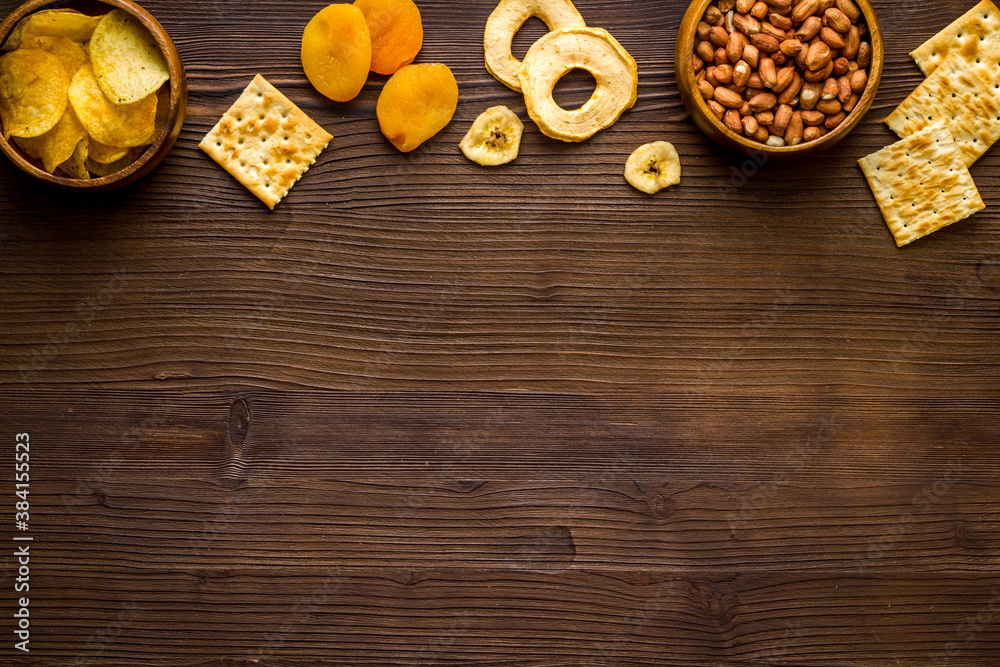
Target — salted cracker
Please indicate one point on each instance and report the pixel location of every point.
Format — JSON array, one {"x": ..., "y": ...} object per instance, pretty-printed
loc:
[
  {"x": 265, "y": 141},
  {"x": 921, "y": 183},
  {"x": 957, "y": 95},
  {"x": 975, "y": 35}
]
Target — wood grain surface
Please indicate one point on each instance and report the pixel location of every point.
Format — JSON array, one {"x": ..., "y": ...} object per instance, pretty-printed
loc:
[{"x": 429, "y": 413}]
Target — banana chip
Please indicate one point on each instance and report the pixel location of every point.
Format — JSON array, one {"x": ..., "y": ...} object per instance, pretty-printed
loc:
[
  {"x": 494, "y": 138},
  {"x": 653, "y": 167},
  {"x": 118, "y": 125},
  {"x": 33, "y": 92}
]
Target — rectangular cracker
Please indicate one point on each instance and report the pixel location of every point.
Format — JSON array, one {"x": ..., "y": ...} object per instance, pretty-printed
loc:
[
  {"x": 265, "y": 142},
  {"x": 921, "y": 183},
  {"x": 975, "y": 35},
  {"x": 957, "y": 95}
]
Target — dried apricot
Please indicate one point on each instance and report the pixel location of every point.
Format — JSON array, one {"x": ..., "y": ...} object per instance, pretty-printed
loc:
[
  {"x": 417, "y": 103},
  {"x": 396, "y": 31},
  {"x": 337, "y": 52}
]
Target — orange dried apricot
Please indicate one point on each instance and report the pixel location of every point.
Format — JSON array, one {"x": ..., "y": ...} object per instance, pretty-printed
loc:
[
  {"x": 417, "y": 103},
  {"x": 396, "y": 31},
  {"x": 337, "y": 52}
]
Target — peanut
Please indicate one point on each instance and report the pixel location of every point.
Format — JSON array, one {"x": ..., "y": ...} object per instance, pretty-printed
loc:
[{"x": 781, "y": 72}]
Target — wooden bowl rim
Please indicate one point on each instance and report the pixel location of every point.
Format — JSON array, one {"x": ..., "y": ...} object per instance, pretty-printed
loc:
[
  {"x": 162, "y": 142},
  {"x": 684, "y": 66}
]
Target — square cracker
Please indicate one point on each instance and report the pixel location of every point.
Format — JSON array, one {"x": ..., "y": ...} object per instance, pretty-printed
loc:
[
  {"x": 975, "y": 34},
  {"x": 265, "y": 142},
  {"x": 957, "y": 95},
  {"x": 921, "y": 183}
]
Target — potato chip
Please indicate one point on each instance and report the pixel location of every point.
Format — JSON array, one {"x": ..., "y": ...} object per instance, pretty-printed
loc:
[
  {"x": 71, "y": 54},
  {"x": 71, "y": 25},
  {"x": 33, "y": 92},
  {"x": 127, "y": 62},
  {"x": 14, "y": 39},
  {"x": 98, "y": 170},
  {"x": 119, "y": 125},
  {"x": 32, "y": 146},
  {"x": 104, "y": 154},
  {"x": 76, "y": 165},
  {"x": 60, "y": 142}
]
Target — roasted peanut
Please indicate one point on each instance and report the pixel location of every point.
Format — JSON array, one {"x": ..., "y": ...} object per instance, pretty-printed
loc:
[
  {"x": 833, "y": 38},
  {"x": 733, "y": 121},
  {"x": 728, "y": 98},
  {"x": 781, "y": 72},
  {"x": 859, "y": 80}
]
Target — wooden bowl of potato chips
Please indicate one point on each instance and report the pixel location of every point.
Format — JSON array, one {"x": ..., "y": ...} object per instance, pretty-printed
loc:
[{"x": 92, "y": 94}]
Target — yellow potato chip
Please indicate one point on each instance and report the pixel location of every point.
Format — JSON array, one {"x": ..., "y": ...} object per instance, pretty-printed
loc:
[
  {"x": 127, "y": 61},
  {"x": 71, "y": 54},
  {"x": 76, "y": 165},
  {"x": 119, "y": 125},
  {"x": 60, "y": 142},
  {"x": 33, "y": 92},
  {"x": 99, "y": 170},
  {"x": 32, "y": 146},
  {"x": 72, "y": 25},
  {"x": 14, "y": 39},
  {"x": 104, "y": 154}
]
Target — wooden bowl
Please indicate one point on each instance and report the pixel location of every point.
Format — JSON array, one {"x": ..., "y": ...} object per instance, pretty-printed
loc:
[
  {"x": 722, "y": 135},
  {"x": 161, "y": 145}
]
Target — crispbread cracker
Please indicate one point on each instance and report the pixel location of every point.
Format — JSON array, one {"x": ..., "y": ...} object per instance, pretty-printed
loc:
[
  {"x": 957, "y": 95},
  {"x": 265, "y": 142},
  {"x": 975, "y": 34},
  {"x": 921, "y": 183}
]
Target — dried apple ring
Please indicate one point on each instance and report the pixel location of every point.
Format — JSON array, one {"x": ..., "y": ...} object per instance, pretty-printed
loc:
[
  {"x": 507, "y": 19},
  {"x": 590, "y": 49}
]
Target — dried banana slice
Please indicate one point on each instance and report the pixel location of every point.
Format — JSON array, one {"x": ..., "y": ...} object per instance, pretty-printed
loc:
[
  {"x": 494, "y": 138},
  {"x": 507, "y": 19},
  {"x": 591, "y": 49},
  {"x": 653, "y": 167}
]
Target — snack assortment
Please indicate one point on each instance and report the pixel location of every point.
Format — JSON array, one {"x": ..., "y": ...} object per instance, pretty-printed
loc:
[
  {"x": 782, "y": 72},
  {"x": 82, "y": 94},
  {"x": 922, "y": 183}
]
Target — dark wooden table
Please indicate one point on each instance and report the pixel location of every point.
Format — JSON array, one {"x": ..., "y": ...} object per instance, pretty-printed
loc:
[{"x": 427, "y": 413}]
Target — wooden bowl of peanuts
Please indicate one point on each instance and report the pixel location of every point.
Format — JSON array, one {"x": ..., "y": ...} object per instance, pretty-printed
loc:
[{"x": 786, "y": 78}]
